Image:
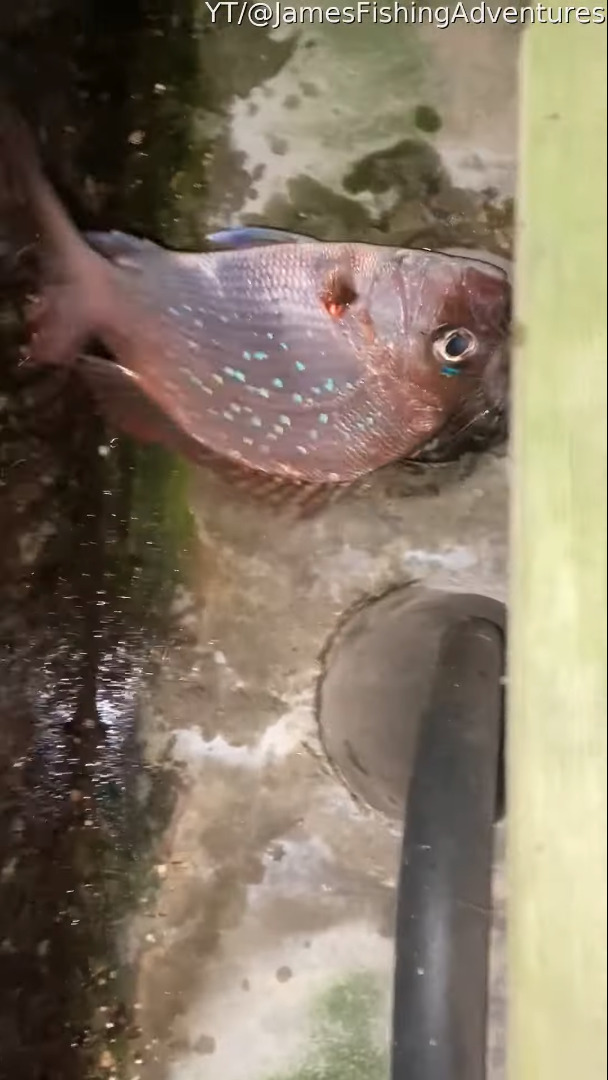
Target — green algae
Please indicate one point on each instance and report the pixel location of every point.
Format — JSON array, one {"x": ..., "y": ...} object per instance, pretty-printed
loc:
[
  {"x": 311, "y": 207},
  {"x": 426, "y": 118},
  {"x": 424, "y": 209},
  {"x": 411, "y": 165},
  {"x": 344, "y": 1039}
]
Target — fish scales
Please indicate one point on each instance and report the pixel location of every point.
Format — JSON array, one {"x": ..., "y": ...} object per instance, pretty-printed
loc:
[
  {"x": 287, "y": 390},
  {"x": 313, "y": 363}
]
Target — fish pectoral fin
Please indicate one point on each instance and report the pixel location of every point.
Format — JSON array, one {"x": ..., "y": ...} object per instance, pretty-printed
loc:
[
  {"x": 296, "y": 499},
  {"x": 256, "y": 236}
]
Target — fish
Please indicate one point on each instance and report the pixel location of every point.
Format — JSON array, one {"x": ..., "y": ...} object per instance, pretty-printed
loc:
[{"x": 295, "y": 360}]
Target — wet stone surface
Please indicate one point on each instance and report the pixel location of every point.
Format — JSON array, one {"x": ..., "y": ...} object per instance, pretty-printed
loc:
[
  {"x": 77, "y": 803},
  {"x": 187, "y": 889}
]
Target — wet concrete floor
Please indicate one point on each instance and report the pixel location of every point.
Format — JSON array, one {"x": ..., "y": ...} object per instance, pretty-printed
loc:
[{"x": 188, "y": 890}]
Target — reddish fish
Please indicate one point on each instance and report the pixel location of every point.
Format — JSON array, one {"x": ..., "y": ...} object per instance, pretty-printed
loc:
[{"x": 308, "y": 362}]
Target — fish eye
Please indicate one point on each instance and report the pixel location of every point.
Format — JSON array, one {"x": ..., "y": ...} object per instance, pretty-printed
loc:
[{"x": 452, "y": 346}]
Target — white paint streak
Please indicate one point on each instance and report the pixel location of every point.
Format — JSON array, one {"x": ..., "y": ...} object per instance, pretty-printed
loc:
[
  {"x": 454, "y": 558},
  {"x": 278, "y": 741}
]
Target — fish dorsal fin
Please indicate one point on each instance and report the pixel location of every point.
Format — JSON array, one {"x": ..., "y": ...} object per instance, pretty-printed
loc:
[
  {"x": 116, "y": 245},
  {"x": 256, "y": 236}
]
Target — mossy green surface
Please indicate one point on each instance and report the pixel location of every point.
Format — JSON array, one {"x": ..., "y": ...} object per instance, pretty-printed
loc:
[
  {"x": 344, "y": 1039},
  {"x": 426, "y": 118}
]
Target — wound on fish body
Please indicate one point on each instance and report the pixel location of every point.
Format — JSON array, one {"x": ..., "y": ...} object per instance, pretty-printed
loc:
[
  {"x": 338, "y": 294},
  {"x": 308, "y": 363}
]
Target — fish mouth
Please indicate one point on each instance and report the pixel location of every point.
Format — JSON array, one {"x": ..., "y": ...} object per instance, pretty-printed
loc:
[
  {"x": 483, "y": 421},
  {"x": 496, "y": 381},
  {"x": 485, "y": 430}
]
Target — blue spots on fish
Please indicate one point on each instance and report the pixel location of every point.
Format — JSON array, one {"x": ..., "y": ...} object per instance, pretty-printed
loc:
[
  {"x": 449, "y": 371},
  {"x": 288, "y": 380},
  {"x": 234, "y": 373},
  {"x": 274, "y": 374}
]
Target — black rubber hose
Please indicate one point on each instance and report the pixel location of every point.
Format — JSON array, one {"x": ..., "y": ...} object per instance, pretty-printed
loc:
[{"x": 444, "y": 902}]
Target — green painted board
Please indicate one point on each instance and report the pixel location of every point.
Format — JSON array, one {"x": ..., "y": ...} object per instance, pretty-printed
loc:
[{"x": 557, "y": 704}]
